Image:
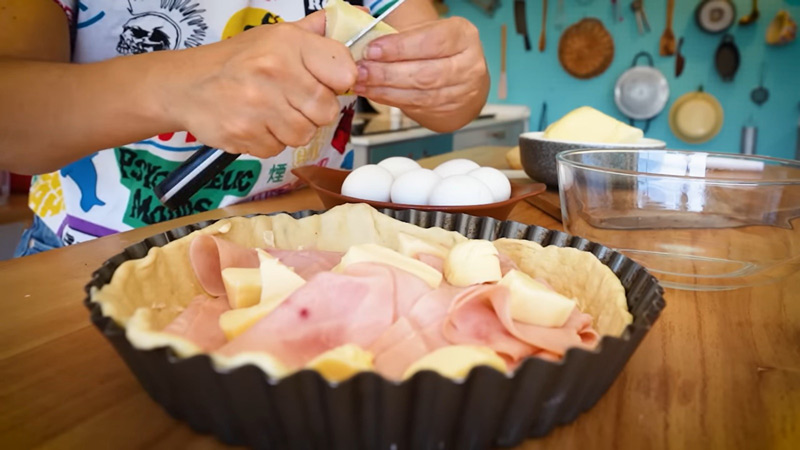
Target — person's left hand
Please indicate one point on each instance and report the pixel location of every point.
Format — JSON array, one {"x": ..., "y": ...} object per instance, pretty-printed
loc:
[{"x": 434, "y": 68}]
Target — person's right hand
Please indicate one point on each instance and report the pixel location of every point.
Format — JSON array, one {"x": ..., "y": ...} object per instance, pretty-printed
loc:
[{"x": 264, "y": 89}]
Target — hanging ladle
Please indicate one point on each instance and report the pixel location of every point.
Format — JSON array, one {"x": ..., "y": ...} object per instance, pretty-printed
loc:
[{"x": 760, "y": 95}]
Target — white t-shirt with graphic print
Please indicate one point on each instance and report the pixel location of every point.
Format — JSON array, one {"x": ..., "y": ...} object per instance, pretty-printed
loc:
[{"x": 112, "y": 190}]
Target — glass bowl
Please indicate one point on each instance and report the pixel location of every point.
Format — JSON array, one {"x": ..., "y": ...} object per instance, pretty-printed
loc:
[{"x": 696, "y": 220}]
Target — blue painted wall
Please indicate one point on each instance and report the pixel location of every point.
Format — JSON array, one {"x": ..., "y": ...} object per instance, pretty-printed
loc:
[{"x": 535, "y": 77}]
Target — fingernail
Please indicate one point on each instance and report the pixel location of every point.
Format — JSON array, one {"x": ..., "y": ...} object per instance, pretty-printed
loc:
[
  {"x": 362, "y": 73},
  {"x": 374, "y": 52}
]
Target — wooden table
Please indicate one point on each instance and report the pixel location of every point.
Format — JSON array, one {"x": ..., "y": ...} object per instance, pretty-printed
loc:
[{"x": 719, "y": 370}]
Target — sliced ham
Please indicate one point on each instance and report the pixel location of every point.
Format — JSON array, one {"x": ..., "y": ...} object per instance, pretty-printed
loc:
[
  {"x": 472, "y": 320},
  {"x": 210, "y": 255},
  {"x": 199, "y": 322},
  {"x": 482, "y": 315},
  {"x": 307, "y": 263},
  {"x": 332, "y": 309},
  {"x": 413, "y": 336},
  {"x": 506, "y": 264}
]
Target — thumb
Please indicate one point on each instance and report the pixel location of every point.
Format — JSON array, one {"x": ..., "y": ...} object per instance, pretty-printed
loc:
[{"x": 314, "y": 23}]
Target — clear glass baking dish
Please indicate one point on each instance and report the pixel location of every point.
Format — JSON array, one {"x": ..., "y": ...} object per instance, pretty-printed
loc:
[{"x": 696, "y": 220}]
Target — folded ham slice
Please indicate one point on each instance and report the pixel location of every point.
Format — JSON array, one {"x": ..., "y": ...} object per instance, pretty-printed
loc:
[
  {"x": 332, "y": 309},
  {"x": 415, "y": 334},
  {"x": 481, "y": 315},
  {"x": 199, "y": 322},
  {"x": 307, "y": 263},
  {"x": 210, "y": 255}
]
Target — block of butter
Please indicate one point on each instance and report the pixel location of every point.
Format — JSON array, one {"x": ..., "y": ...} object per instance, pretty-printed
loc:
[
  {"x": 343, "y": 21},
  {"x": 587, "y": 124}
]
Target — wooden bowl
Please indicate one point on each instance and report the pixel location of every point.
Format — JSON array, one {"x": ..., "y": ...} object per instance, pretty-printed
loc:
[{"x": 327, "y": 183}]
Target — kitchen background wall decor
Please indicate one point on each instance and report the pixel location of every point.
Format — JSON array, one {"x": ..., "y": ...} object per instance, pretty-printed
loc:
[{"x": 534, "y": 77}]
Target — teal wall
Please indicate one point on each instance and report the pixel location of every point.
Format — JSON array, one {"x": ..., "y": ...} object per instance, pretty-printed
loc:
[{"x": 535, "y": 77}]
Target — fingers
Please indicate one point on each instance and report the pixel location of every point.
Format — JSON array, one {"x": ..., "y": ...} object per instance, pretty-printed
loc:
[
  {"x": 290, "y": 126},
  {"x": 427, "y": 74},
  {"x": 314, "y": 23},
  {"x": 314, "y": 100},
  {"x": 264, "y": 146},
  {"x": 444, "y": 99},
  {"x": 330, "y": 62},
  {"x": 430, "y": 40}
]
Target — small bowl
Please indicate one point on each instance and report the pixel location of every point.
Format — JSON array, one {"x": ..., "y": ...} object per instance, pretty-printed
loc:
[
  {"x": 697, "y": 220},
  {"x": 538, "y": 154},
  {"x": 327, "y": 183}
]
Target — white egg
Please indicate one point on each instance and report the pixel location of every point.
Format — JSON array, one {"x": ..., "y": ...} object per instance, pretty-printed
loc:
[
  {"x": 398, "y": 165},
  {"x": 459, "y": 190},
  {"x": 414, "y": 187},
  {"x": 370, "y": 182},
  {"x": 455, "y": 167},
  {"x": 495, "y": 180}
]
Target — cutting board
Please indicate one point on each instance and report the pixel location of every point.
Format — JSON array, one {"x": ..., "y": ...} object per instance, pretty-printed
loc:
[{"x": 549, "y": 202}]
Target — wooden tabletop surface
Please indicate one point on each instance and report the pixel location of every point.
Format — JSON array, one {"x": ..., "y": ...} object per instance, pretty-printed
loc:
[{"x": 718, "y": 370}]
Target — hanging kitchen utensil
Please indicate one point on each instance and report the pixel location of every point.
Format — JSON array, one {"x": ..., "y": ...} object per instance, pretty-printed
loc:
[
  {"x": 749, "y": 138},
  {"x": 488, "y": 6},
  {"x": 502, "y": 85},
  {"x": 615, "y": 16},
  {"x": 752, "y": 16},
  {"x": 760, "y": 95},
  {"x": 560, "y": 15},
  {"x": 727, "y": 58},
  {"x": 696, "y": 117},
  {"x": 642, "y": 23},
  {"x": 586, "y": 49},
  {"x": 782, "y": 29},
  {"x": 680, "y": 61},
  {"x": 666, "y": 46},
  {"x": 641, "y": 92},
  {"x": 521, "y": 22},
  {"x": 542, "y": 37},
  {"x": 543, "y": 117},
  {"x": 715, "y": 16}
]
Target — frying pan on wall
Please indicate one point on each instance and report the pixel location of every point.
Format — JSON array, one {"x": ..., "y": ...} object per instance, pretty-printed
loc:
[
  {"x": 715, "y": 16},
  {"x": 727, "y": 58},
  {"x": 641, "y": 92}
]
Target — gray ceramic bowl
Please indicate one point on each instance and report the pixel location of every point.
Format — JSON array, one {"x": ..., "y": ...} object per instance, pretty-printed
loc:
[{"x": 538, "y": 154}]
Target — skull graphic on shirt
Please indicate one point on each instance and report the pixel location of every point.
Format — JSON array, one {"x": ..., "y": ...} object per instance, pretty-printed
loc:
[
  {"x": 161, "y": 25},
  {"x": 148, "y": 33}
]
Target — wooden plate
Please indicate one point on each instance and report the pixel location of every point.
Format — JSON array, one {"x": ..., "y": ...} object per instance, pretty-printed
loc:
[
  {"x": 327, "y": 183},
  {"x": 586, "y": 49}
]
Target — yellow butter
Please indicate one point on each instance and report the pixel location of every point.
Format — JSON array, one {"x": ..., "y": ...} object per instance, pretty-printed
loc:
[
  {"x": 456, "y": 361},
  {"x": 342, "y": 362},
  {"x": 343, "y": 21},
  {"x": 586, "y": 124},
  {"x": 375, "y": 253},
  {"x": 412, "y": 246},
  {"x": 243, "y": 286},
  {"x": 276, "y": 281},
  {"x": 472, "y": 262},
  {"x": 533, "y": 303}
]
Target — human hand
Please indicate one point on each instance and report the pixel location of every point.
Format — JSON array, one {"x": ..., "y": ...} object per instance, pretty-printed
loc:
[
  {"x": 262, "y": 90},
  {"x": 436, "y": 67}
]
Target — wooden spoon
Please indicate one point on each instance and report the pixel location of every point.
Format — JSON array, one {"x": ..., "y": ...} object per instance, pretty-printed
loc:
[
  {"x": 666, "y": 46},
  {"x": 544, "y": 26},
  {"x": 752, "y": 16}
]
